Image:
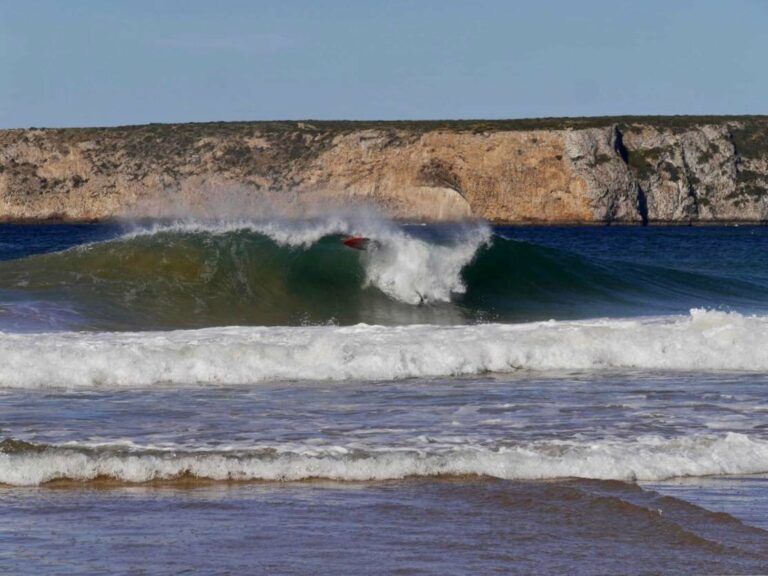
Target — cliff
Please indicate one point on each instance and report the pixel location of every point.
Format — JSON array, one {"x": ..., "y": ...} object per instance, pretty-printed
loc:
[{"x": 589, "y": 170}]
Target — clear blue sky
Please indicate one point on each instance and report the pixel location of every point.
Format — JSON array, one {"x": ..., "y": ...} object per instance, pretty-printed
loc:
[{"x": 107, "y": 62}]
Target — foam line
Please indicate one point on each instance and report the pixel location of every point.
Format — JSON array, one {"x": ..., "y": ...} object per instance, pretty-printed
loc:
[
  {"x": 644, "y": 459},
  {"x": 701, "y": 341}
]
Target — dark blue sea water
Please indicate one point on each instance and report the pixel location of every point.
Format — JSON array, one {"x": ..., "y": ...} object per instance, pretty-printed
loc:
[{"x": 255, "y": 397}]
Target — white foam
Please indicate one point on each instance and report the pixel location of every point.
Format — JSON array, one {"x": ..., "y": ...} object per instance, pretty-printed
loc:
[
  {"x": 645, "y": 459},
  {"x": 702, "y": 341},
  {"x": 284, "y": 231},
  {"x": 414, "y": 271}
]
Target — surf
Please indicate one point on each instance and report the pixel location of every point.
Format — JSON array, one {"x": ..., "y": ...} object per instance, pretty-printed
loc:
[
  {"x": 650, "y": 458},
  {"x": 701, "y": 341},
  {"x": 184, "y": 275},
  {"x": 265, "y": 273}
]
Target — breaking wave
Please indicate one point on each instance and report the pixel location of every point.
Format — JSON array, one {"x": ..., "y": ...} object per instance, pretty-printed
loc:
[
  {"x": 271, "y": 273},
  {"x": 194, "y": 275},
  {"x": 701, "y": 341},
  {"x": 644, "y": 459}
]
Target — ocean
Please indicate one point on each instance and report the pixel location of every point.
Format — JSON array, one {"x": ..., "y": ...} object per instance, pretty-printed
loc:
[{"x": 255, "y": 397}]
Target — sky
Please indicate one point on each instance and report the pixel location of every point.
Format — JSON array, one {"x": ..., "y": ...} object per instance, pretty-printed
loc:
[{"x": 104, "y": 63}]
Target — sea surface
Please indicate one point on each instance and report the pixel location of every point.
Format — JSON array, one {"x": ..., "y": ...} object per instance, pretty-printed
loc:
[{"x": 249, "y": 397}]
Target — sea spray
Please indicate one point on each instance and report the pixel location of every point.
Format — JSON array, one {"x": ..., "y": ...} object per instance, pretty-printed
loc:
[
  {"x": 406, "y": 267},
  {"x": 194, "y": 274}
]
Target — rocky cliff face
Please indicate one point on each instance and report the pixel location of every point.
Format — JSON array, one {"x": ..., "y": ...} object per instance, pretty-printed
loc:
[{"x": 598, "y": 170}]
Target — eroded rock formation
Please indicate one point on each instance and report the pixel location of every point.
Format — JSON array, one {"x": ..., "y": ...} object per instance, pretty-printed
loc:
[{"x": 677, "y": 169}]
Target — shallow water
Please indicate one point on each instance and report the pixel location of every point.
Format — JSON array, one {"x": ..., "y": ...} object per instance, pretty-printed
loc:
[
  {"x": 432, "y": 527},
  {"x": 201, "y": 398},
  {"x": 624, "y": 426}
]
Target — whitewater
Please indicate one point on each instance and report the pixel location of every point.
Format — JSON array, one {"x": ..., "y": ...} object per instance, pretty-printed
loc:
[
  {"x": 704, "y": 340},
  {"x": 646, "y": 459}
]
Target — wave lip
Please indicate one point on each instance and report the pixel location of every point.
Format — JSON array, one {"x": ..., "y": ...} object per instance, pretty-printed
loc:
[
  {"x": 701, "y": 341},
  {"x": 645, "y": 459},
  {"x": 406, "y": 268}
]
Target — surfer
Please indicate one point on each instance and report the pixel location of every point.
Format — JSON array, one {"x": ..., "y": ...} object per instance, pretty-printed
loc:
[{"x": 357, "y": 242}]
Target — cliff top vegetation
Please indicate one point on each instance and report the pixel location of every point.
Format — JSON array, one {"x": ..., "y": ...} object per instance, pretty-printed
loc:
[{"x": 522, "y": 124}]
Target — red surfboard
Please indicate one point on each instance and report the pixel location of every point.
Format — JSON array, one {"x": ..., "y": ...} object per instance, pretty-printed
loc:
[{"x": 356, "y": 242}]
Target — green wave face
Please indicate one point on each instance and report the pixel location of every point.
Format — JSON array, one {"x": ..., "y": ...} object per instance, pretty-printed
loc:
[
  {"x": 184, "y": 280},
  {"x": 514, "y": 280},
  {"x": 194, "y": 279}
]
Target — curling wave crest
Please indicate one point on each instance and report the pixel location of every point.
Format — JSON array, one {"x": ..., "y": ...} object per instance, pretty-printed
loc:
[
  {"x": 701, "y": 341},
  {"x": 406, "y": 268}
]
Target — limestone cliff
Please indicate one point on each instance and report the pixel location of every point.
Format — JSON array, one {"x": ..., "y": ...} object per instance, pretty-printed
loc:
[{"x": 591, "y": 170}]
